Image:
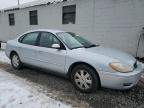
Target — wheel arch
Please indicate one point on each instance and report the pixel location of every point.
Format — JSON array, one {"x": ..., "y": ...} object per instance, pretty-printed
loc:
[
  {"x": 82, "y": 63},
  {"x": 12, "y": 52}
]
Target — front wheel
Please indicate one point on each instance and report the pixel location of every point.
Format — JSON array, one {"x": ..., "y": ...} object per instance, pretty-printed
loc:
[
  {"x": 84, "y": 78},
  {"x": 15, "y": 61}
]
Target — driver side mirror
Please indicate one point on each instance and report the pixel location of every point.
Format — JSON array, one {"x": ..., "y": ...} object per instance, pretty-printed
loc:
[{"x": 56, "y": 46}]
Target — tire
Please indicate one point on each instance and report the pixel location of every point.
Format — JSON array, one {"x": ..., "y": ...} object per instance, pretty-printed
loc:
[
  {"x": 85, "y": 79},
  {"x": 15, "y": 61}
]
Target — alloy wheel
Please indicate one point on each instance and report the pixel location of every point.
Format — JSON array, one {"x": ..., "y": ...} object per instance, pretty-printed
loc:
[
  {"x": 83, "y": 79},
  {"x": 15, "y": 61}
]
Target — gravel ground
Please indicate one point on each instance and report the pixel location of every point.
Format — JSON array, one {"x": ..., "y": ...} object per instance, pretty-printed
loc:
[{"x": 62, "y": 90}]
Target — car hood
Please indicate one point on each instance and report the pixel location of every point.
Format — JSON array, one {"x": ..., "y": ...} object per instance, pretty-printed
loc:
[{"x": 112, "y": 53}]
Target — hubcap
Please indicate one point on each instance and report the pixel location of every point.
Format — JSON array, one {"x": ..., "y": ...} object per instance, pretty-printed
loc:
[
  {"x": 83, "y": 79},
  {"x": 15, "y": 60}
]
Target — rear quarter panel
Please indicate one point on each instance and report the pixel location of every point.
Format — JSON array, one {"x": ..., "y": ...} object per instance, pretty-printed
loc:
[{"x": 11, "y": 45}]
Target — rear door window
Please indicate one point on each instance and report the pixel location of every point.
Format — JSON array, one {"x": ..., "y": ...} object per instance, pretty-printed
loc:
[{"x": 30, "y": 38}]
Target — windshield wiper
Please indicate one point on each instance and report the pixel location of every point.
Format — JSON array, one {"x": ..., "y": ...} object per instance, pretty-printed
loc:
[
  {"x": 90, "y": 46},
  {"x": 77, "y": 47}
]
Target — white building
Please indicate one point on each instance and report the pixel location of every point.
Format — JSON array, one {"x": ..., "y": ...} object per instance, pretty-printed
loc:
[{"x": 111, "y": 23}]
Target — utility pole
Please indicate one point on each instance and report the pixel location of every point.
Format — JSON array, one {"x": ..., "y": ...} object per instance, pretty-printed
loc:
[{"x": 18, "y": 3}]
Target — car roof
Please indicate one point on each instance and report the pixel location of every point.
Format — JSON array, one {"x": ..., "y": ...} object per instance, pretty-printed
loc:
[{"x": 46, "y": 30}]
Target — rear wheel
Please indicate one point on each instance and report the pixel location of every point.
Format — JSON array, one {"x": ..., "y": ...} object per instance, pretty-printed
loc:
[
  {"x": 84, "y": 78},
  {"x": 15, "y": 61}
]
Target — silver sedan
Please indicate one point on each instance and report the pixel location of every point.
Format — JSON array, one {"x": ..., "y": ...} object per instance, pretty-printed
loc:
[{"x": 89, "y": 66}]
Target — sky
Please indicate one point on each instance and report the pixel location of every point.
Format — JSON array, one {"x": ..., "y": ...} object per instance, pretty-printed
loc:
[{"x": 9, "y": 3}]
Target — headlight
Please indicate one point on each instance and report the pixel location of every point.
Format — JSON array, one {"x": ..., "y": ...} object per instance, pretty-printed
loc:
[{"x": 124, "y": 68}]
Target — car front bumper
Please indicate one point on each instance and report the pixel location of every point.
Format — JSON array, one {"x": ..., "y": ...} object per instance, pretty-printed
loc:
[{"x": 121, "y": 80}]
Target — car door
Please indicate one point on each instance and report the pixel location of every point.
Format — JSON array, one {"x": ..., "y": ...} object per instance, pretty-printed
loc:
[
  {"x": 28, "y": 48},
  {"x": 48, "y": 57}
]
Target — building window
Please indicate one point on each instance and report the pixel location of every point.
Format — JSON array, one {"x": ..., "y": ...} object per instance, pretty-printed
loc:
[
  {"x": 69, "y": 14},
  {"x": 33, "y": 17},
  {"x": 11, "y": 19}
]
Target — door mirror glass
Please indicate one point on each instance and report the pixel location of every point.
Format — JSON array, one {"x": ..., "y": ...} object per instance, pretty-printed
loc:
[{"x": 56, "y": 46}]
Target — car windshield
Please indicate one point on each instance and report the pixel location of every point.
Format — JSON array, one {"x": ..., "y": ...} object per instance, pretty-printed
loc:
[{"x": 74, "y": 41}]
